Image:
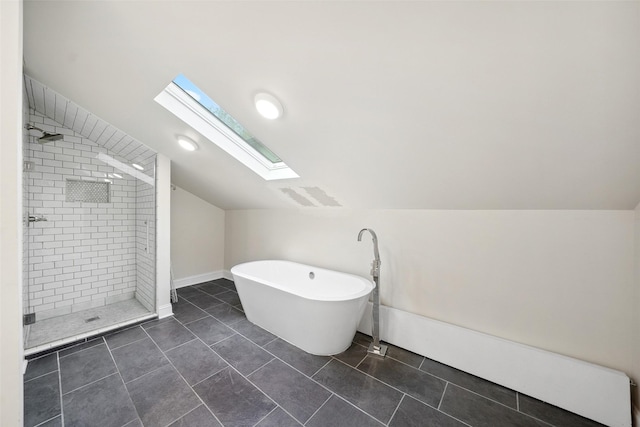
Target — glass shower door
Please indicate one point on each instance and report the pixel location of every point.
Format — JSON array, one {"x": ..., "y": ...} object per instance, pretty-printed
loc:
[{"x": 89, "y": 241}]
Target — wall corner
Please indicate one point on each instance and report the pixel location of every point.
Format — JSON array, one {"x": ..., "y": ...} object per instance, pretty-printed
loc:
[
  {"x": 11, "y": 108},
  {"x": 163, "y": 245}
]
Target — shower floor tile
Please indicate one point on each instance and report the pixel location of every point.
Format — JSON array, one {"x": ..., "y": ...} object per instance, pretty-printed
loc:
[
  {"x": 160, "y": 374},
  {"x": 70, "y": 325}
]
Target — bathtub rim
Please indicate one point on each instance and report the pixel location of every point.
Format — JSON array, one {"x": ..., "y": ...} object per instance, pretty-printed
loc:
[{"x": 370, "y": 284}]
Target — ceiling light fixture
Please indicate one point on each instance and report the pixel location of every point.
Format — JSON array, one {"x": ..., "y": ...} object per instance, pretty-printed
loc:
[
  {"x": 137, "y": 166},
  {"x": 187, "y": 143},
  {"x": 268, "y": 106}
]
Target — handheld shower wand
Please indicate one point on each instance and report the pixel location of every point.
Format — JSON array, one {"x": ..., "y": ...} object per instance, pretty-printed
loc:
[{"x": 375, "y": 347}]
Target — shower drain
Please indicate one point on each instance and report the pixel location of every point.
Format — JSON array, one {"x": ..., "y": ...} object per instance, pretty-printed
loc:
[{"x": 91, "y": 319}]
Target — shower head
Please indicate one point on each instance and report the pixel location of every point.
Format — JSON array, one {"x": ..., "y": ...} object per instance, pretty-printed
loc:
[{"x": 46, "y": 136}]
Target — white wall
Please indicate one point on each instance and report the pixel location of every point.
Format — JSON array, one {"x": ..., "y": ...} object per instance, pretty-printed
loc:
[
  {"x": 558, "y": 280},
  {"x": 197, "y": 235},
  {"x": 10, "y": 213}
]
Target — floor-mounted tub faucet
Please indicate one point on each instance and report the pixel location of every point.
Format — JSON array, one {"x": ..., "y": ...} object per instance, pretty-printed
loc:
[{"x": 375, "y": 347}]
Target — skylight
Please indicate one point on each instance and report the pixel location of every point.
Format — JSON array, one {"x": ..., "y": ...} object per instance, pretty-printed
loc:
[{"x": 197, "y": 109}]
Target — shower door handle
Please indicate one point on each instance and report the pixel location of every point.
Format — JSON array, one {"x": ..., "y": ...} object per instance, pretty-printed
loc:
[{"x": 146, "y": 249}]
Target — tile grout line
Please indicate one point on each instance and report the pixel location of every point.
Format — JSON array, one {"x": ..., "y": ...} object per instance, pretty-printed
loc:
[
  {"x": 221, "y": 341},
  {"x": 101, "y": 337},
  {"x": 360, "y": 362},
  {"x": 322, "y": 385},
  {"x": 319, "y": 407},
  {"x": 92, "y": 382},
  {"x": 469, "y": 390},
  {"x": 181, "y": 376},
  {"x": 215, "y": 373},
  {"x": 405, "y": 363},
  {"x": 358, "y": 408},
  {"x": 124, "y": 345},
  {"x": 122, "y": 379},
  {"x": 501, "y": 404},
  {"x": 274, "y": 357},
  {"x": 266, "y": 416},
  {"x": 144, "y": 375},
  {"x": 317, "y": 370},
  {"x": 397, "y": 407},
  {"x": 260, "y": 390},
  {"x": 256, "y": 370},
  {"x": 46, "y": 421},
  {"x": 400, "y": 391},
  {"x": 266, "y": 344},
  {"x": 442, "y": 397},
  {"x": 180, "y": 345},
  {"x": 206, "y": 314},
  {"x": 192, "y": 391},
  {"x": 423, "y": 371},
  {"x": 398, "y": 360},
  {"x": 483, "y": 396},
  {"x": 39, "y": 376},
  {"x": 343, "y": 398},
  {"x": 377, "y": 379}
]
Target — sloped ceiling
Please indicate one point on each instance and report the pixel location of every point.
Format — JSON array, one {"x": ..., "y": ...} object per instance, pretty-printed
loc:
[{"x": 432, "y": 105}]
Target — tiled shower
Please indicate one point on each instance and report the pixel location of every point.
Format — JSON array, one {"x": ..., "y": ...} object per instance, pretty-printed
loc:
[{"x": 89, "y": 249}]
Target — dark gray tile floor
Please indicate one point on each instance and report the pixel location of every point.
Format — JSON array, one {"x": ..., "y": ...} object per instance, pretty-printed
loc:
[{"x": 209, "y": 366}]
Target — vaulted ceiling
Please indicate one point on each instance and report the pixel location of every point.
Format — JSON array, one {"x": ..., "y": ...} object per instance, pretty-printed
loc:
[{"x": 388, "y": 104}]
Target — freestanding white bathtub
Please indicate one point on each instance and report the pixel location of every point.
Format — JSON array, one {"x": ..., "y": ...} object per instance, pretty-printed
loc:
[{"x": 312, "y": 308}]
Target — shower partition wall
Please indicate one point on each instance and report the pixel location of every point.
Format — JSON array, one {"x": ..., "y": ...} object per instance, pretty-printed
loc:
[{"x": 89, "y": 225}]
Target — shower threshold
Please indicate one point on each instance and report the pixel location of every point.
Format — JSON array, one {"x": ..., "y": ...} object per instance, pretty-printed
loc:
[{"x": 57, "y": 331}]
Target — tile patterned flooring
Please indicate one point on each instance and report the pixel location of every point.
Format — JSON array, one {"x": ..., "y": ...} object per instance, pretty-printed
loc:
[{"x": 209, "y": 366}]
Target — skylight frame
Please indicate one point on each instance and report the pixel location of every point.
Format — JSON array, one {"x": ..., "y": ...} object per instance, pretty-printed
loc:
[{"x": 190, "y": 111}]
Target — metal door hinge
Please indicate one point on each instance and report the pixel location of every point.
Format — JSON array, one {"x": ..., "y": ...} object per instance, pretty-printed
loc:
[{"x": 28, "y": 319}]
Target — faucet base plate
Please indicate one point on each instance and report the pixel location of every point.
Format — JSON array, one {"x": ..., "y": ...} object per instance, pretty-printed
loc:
[{"x": 380, "y": 350}]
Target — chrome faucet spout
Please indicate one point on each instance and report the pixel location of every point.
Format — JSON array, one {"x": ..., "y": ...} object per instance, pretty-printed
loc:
[{"x": 375, "y": 265}]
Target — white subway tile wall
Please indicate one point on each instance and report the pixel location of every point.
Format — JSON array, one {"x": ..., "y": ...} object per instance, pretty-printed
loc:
[
  {"x": 146, "y": 241},
  {"x": 85, "y": 254}
]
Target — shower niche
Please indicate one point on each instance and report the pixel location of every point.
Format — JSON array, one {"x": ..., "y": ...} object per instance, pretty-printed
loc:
[{"x": 89, "y": 205}]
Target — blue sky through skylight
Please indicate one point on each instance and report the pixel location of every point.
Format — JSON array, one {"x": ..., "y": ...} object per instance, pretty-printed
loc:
[{"x": 203, "y": 99}]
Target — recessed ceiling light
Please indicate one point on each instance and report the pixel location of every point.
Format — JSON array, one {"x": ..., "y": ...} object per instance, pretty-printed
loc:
[
  {"x": 187, "y": 143},
  {"x": 137, "y": 166},
  {"x": 268, "y": 106}
]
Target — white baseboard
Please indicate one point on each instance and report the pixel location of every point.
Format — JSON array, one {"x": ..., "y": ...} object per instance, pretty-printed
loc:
[
  {"x": 593, "y": 391},
  {"x": 165, "y": 311},
  {"x": 227, "y": 275},
  {"x": 198, "y": 278}
]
